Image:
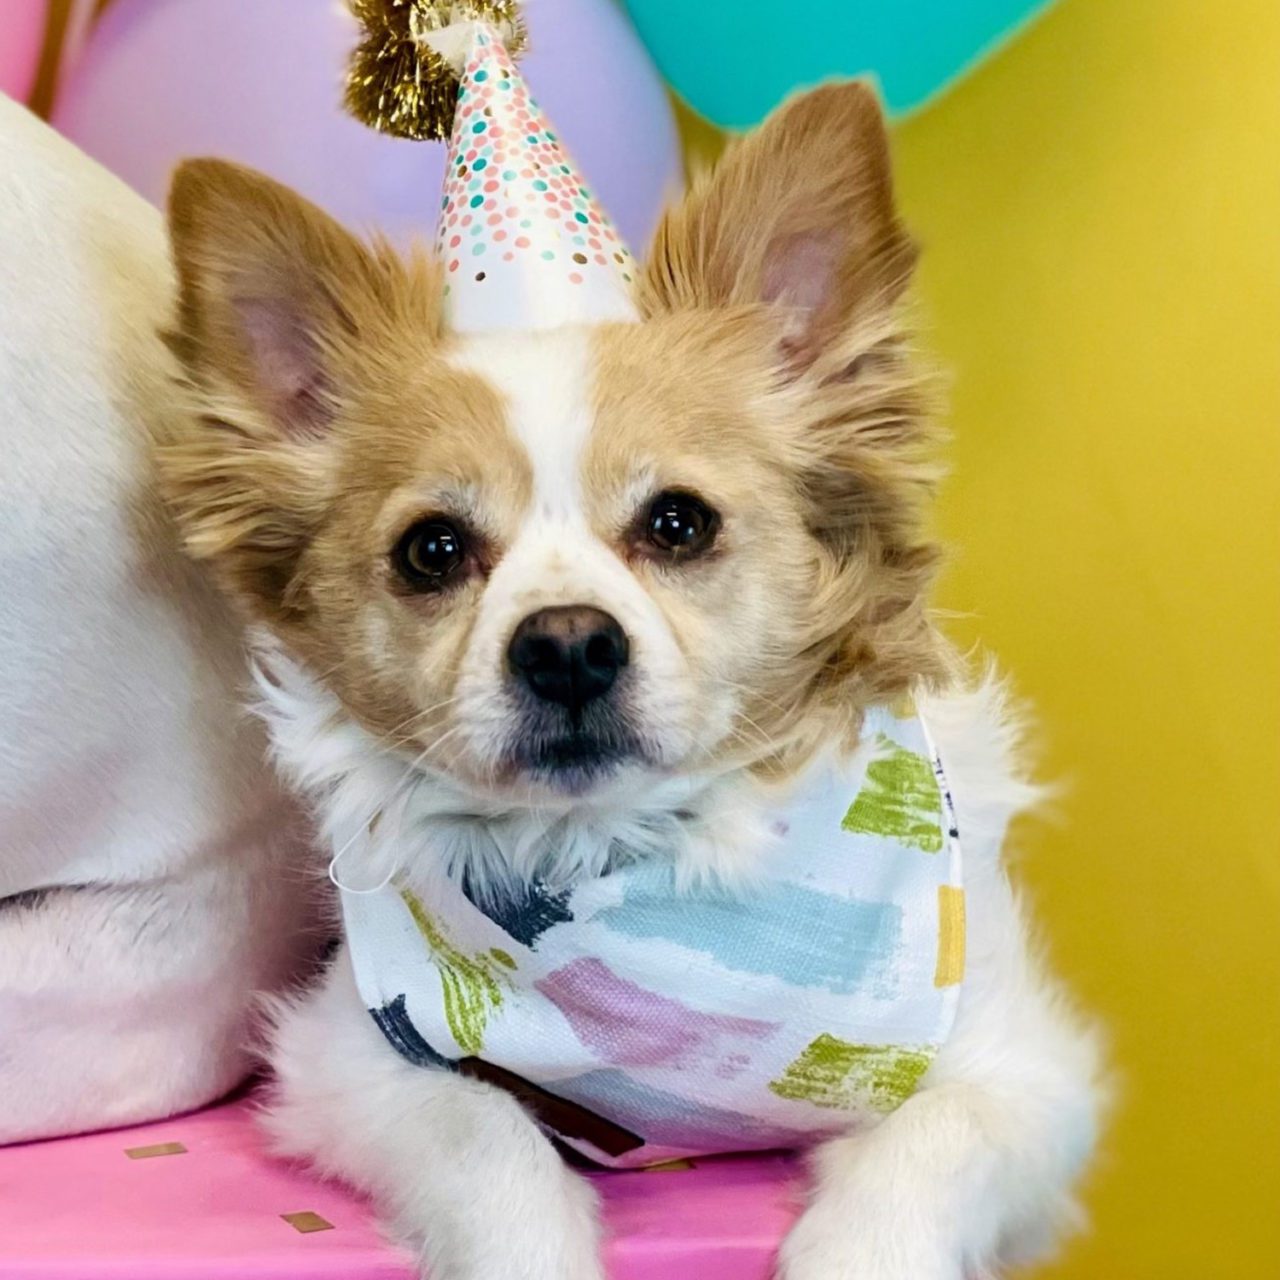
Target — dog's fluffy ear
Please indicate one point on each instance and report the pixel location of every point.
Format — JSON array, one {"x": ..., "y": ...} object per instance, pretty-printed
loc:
[
  {"x": 271, "y": 291},
  {"x": 282, "y": 318},
  {"x": 799, "y": 215},
  {"x": 797, "y": 223}
]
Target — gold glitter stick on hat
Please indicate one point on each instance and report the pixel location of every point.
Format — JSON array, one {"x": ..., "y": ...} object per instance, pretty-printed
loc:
[{"x": 523, "y": 241}]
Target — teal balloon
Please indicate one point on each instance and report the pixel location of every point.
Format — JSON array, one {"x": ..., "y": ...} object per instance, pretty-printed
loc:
[{"x": 734, "y": 60}]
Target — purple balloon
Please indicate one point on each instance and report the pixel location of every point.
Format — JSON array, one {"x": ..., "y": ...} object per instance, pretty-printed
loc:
[{"x": 261, "y": 83}]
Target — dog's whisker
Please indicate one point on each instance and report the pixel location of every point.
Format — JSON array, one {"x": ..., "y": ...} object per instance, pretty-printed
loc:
[
  {"x": 418, "y": 718},
  {"x": 754, "y": 694}
]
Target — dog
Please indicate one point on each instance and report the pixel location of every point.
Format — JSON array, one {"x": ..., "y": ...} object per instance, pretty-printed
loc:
[
  {"x": 532, "y": 607},
  {"x": 147, "y": 854}
]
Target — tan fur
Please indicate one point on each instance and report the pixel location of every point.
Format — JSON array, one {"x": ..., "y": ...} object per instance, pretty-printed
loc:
[
  {"x": 848, "y": 411},
  {"x": 801, "y": 418},
  {"x": 299, "y": 524},
  {"x": 818, "y": 167},
  {"x": 693, "y": 400},
  {"x": 684, "y": 403}
]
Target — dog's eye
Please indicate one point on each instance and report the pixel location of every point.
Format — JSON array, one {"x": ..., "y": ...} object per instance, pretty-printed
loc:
[
  {"x": 430, "y": 553},
  {"x": 681, "y": 525}
]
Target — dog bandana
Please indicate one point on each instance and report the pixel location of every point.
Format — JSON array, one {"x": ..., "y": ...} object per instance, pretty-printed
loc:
[{"x": 640, "y": 1024}]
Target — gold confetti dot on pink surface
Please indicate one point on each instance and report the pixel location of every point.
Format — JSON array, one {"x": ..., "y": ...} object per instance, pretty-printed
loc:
[
  {"x": 307, "y": 1222},
  {"x": 155, "y": 1149}
]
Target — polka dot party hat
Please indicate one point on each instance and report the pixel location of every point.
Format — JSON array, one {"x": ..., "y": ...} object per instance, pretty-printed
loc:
[{"x": 522, "y": 239}]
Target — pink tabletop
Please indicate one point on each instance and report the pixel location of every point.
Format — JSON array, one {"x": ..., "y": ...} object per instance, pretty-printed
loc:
[{"x": 84, "y": 1209}]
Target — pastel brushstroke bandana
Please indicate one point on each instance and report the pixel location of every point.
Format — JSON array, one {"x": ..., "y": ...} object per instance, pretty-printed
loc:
[{"x": 641, "y": 1024}]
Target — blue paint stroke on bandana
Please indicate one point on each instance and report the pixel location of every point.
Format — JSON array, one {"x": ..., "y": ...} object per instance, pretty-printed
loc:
[
  {"x": 665, "y": 1119},
  {"x": 802, "y": 936}
]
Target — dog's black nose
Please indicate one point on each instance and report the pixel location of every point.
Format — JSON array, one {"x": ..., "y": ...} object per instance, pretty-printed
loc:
[{"x": 570, "y": 655}]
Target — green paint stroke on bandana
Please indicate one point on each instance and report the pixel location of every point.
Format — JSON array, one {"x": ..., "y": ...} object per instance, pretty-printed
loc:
[
  {"x": 900, "y": 801},
  {"x": 470, "y": 984},
  {"x": 834, "y": 1073}
]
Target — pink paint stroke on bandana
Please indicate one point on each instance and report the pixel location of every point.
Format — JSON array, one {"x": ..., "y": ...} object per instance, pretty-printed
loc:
[{"x": 625, "y": 1025}]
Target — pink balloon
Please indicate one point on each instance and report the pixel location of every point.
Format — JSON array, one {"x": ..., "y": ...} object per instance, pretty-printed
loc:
[
  {"x": 262, "y": 83},
  {"x": 21, "y": 35}
]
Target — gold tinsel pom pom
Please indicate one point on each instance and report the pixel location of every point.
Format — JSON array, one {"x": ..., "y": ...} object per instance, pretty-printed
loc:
[{"x": 397, "y": 82}]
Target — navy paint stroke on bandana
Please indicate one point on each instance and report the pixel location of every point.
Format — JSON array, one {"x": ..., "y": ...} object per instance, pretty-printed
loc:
[
  {"x": 524, "y": 914},
  {"x": 394, "y": 1023}
]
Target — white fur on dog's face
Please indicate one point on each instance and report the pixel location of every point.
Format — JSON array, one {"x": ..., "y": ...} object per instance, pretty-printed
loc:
[{"x": 556, "y": 558}]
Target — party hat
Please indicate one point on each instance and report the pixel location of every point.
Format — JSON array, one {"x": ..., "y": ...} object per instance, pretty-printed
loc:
[{"x": 524, "y": 243}]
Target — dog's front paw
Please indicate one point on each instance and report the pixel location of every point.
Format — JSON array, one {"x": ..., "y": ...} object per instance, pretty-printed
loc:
[
  {"x": 540, "y": 1232},
  {"x": 830, "y": 1245}
]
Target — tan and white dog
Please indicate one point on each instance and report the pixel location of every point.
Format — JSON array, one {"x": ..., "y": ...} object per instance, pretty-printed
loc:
[
  {"x": 144, "y": 847},
  {"x": 548, "y": 596}
]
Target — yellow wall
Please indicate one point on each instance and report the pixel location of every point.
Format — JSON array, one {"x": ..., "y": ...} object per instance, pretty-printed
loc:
[{"x": 1100, "y": 212}]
